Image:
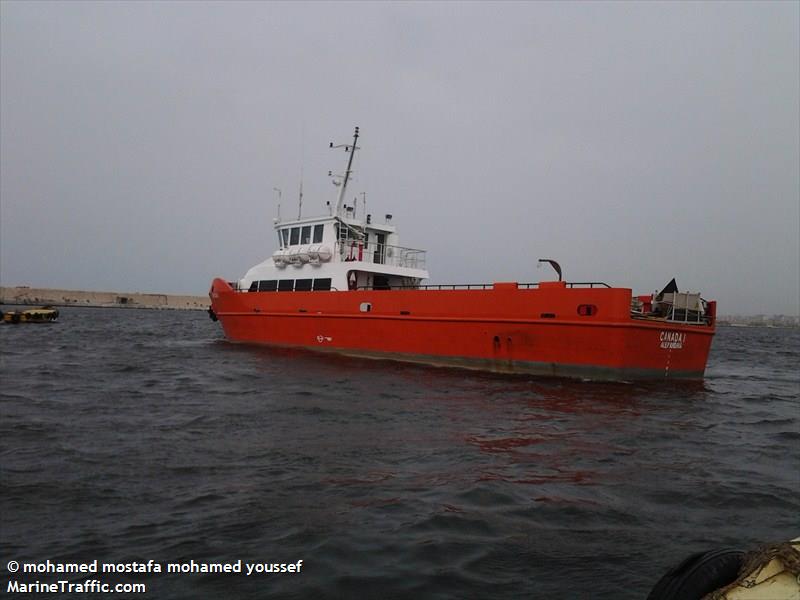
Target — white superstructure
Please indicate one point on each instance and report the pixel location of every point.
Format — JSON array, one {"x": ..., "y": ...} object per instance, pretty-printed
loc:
[{"x": 337, "y": 251}]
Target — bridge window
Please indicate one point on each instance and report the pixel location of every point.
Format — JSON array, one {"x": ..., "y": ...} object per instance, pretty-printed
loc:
[
  {"x": 380, "y": 282},
  {"x": 318, "y": 233},
  {"x": 267, "y": 285},
  {"x": 322, "y": 285},
  {"x": 286, "y": 285},
  {"x": 302, "y": 285},
  {"x": 253, "y": 287},
  {"x": 285, "y": 237},
  {"x": 305, "y": 235},
  {"x": 295, "y": 237}
]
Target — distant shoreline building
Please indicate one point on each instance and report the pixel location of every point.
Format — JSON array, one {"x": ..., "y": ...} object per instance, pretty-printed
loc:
[
  {"x": 786, "y": 321},
  {"x": 29, "y": 296}
]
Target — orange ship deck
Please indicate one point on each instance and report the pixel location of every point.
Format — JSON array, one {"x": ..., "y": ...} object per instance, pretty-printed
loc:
[{"x": 551, "y": 329}]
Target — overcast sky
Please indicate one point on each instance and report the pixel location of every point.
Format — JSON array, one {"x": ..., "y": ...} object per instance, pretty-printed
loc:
[{"x": 633, "y": 142}]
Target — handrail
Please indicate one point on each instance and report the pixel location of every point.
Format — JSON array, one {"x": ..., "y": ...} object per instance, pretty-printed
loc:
[
  {"x": 385, "y": 254},
  {"x": 478, "y": 286},
  {"x": 452, "y": 286},
  {"x": 572, "y": 284},
  {"x": 432, "y": 286},
  {"x": 247, "y": 291}
]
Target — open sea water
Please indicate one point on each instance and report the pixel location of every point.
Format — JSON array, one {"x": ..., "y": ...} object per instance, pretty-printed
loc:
[{"x": 134, "y": 435}]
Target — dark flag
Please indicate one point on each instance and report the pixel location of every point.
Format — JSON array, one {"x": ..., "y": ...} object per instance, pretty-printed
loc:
[{"x": 670, "y": 288}]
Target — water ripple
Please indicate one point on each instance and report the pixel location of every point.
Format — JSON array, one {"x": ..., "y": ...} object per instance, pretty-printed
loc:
[{"x": 143, "y": 434}]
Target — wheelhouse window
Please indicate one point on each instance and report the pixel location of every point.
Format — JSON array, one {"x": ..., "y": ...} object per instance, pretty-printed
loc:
[
  {"x": 286, "y": 285},
  {"x": 268, "y": 285},
  {"x": 302, "y": 285},
  {"x": 318, "y": 233},
  {"x": 285, "y": 237},
  {"x": 253, "y": 287},
  {"x": 295, "y": 236},
  {"x": 305, "y": 235},
  {"x": 322, "y": 285}
]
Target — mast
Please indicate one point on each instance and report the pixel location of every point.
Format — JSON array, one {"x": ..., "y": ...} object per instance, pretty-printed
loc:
[{"x": 343, "y": 188}]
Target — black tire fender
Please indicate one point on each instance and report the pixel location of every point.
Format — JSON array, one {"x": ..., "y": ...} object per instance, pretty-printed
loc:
[{"x": 698, "y": 575}]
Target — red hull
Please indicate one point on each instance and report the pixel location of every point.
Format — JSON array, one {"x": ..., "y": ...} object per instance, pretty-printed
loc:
[{"x": 545, "y": 330}]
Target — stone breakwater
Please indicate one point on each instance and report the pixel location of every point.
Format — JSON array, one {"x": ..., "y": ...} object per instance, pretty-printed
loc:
[{"x": 53, "y": 297}]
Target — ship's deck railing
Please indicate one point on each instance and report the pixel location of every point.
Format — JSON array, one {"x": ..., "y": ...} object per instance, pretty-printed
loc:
[
  {"x": 685, "y": 307},
  {"x": 571, "y": 284},
  {"x": 678, "y": 307},
  {"x": 384, "y": 254},
  {"x": 455, "y": 286},
  {"x": 683, "y": 318},
  {"x": 482, "y": 286}
]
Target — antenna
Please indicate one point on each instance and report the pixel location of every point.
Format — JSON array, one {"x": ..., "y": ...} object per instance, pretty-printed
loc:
[
  {"x": 300, "y": 198},
  {"x": 364, "y": 202},
  {"x": 302, "y": 164},
  {"x": 279, "y": 202}
]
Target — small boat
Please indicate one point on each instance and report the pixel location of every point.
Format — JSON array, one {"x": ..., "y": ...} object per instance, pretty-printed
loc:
[
  {"x": 342, "y": 283},
  {"x": 45, "y": 314}
]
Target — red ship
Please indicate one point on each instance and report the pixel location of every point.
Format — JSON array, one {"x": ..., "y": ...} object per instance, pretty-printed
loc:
[{"x": 341, "y": 283}]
